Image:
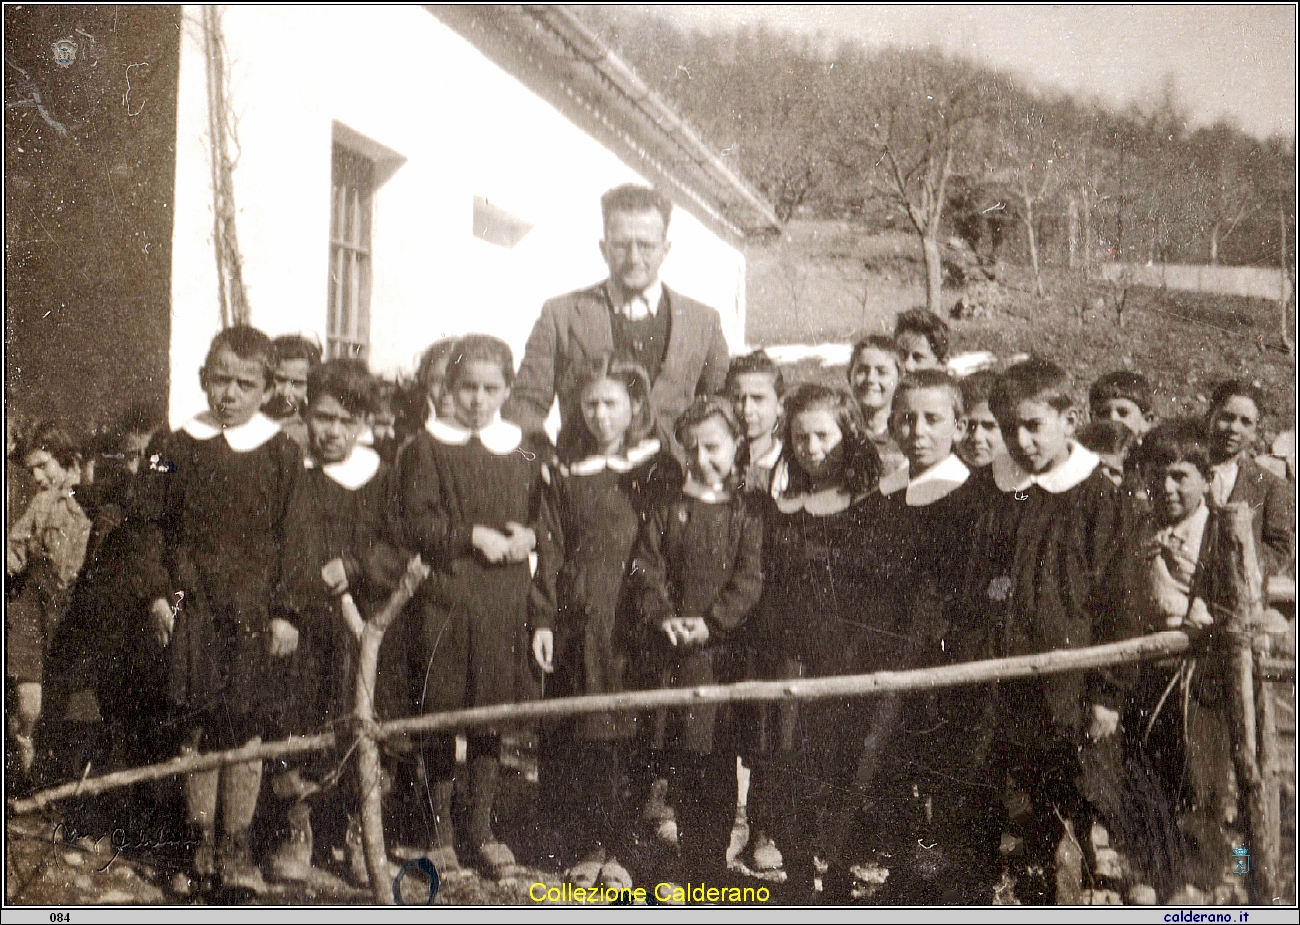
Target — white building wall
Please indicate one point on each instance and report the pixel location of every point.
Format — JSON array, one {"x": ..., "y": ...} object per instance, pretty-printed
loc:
[{"x": 400, "y": 77}]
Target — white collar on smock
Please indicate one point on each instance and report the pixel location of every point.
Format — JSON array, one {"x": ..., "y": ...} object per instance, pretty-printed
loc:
[
  {"x": 620, "y": 462},
  {"x": 499, "y": 437},
  {"x": 241, "y": 438},
  {"x": 1081, "y": 462},
  {"x": 358, "y": 469},
  {"x": 939, "y": 481}
]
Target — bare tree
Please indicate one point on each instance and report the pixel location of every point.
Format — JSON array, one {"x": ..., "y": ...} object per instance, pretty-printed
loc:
[
  {"x": 915, "y": 129},
  {"x": 1029, "y": 161}
]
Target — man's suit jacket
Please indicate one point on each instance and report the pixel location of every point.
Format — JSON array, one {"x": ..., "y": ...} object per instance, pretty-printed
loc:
[
  {"x": 575, "y": 327},
  {"x": 1272, "y": 513}
]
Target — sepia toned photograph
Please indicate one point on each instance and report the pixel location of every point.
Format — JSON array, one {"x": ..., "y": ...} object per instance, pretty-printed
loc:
[{"x": 589, "y": 456}]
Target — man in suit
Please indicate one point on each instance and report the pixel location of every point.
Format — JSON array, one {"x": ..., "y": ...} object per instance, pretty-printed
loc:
[
  {"x": 679, "y": 341},
  {"x": 1233, "y": 423}
]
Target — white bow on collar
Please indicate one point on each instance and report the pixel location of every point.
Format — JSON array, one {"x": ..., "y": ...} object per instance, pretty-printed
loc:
[
  {"x": 358, "y": 469},
  {"x": 626, "y": 462},
  {"x": 1081, "y": 462},
  {"x": 499, "y": 437},
  {"x": 241, "y": 438},
  {"x": 937, "y": 482}
]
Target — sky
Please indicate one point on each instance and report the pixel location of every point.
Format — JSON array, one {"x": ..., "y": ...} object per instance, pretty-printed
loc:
[{"x": 1234, "y": 62}]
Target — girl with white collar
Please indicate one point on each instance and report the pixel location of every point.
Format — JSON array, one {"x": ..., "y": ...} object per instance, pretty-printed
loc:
[
  {"x": 820, "y": 615},
  {"x": 697, "y": 573},
  {"x": 595, "y": 501},
  {"x": 468, "y": 495}
]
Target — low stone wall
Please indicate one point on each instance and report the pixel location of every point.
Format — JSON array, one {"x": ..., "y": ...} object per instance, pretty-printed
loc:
[{"x": 1247, "y": 282}]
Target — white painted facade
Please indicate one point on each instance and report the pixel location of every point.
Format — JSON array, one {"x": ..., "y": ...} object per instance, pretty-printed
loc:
[{"x": 405, "y": 80}]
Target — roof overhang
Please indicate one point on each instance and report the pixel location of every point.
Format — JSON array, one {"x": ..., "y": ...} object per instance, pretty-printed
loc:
[{"x": 553, "y": 54}]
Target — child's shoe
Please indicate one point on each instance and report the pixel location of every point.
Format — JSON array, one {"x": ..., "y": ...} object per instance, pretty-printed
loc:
[
  {"x": 615, "y": 876},
  {"x": 586, "y": 873},
  {"x": 495, "y": 858},
  {"x": 291, "y": 860},
  {"x": 235, "y": 867},
  {"x": 764, "y": 856}
]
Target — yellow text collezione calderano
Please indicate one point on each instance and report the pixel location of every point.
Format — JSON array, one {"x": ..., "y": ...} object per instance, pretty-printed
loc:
[{"x": 662, "y": 894}]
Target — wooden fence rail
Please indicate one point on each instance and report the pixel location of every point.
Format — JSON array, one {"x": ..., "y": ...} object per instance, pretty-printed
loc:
[
  {"x": 1255, "y": 749},
  {"x": 1142, "y": 648}
]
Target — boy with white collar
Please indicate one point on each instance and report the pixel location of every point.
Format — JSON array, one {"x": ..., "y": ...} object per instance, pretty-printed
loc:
[
  {"x": 936, "y": 773},
  {"x": 1037, "y": 567},
  {"x": 215, "y": 494},
  {"x": 336, "y": 512}
]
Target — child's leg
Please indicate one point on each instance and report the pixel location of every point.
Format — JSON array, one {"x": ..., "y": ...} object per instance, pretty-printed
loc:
[
  {"x": 439, "y": 753},
  {"x": 241, "y": 784},
  {"x": 22, "y": 722},
  {"x": 702, "y": 788},
  {"x": 484, "y": 779},
  {"x": 201, "y": 790}
]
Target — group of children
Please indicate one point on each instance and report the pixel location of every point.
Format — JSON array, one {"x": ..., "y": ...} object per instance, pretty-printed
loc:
[{"x": 911, "y": 520}]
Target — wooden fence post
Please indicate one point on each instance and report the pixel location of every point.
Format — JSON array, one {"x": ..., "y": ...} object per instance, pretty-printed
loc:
[
  {"x": 1242, "y": 595},
  {"x": 369, "y": 635}
]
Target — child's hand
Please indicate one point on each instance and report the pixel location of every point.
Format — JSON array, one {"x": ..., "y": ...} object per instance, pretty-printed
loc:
[
  {"x": 335, "y": 575},
  {"x": 1104, "y": 723},
  {"x": 696, "y": 631},
  {"x": 522, "y": 541},
  {"x": 492, "y": 544},
  {"x": 163, "y": 621},
  {"x": 673, "y": 629},
  {"x": 284, "y": 638},
  {"x": 544, "y": 650}
]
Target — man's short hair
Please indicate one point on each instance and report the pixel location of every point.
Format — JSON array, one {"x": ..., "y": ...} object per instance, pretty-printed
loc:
[
  {"x": 632, "y": 197},
  {"x": 929, "y": 325},
  {"x": 1121, "y": 384},
  {"x": 756, "y": 362},
  {"x": 345, "y": 380},
  {"x": 296, "y": 347},
  {"x": 932, "y": 379},
  {"x": 1032, "y": 380},
  {"x": 1174, "y": 441}
]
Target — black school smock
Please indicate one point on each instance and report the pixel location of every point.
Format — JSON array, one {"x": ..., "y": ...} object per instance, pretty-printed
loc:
[
  {"x": 470, "y": 645},
  {"x": 1036, "y": 578},
  {"x": 823, "y": 603},
  {"x": 336, "y": 512},
  {"x": 593, "y": 509},
  {"x": 934, "y": 786},
  {"x": 218, "y": 500},
  {"x": 699, "y": 555}
]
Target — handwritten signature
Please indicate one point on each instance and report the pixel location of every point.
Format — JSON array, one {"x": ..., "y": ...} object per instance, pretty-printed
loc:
[{"x": 120, "y": 840}]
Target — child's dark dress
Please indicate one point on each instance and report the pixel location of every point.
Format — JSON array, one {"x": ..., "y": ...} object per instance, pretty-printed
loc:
[
  {"x": 822, "y": 604},
  {"x": 471, "y": 647},
  {"x": 1035, "y": 581},
  {"x": 700, "y": 555},
  {"x": 218, "y": 499},
  {"x": 592, "y": 512}
]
